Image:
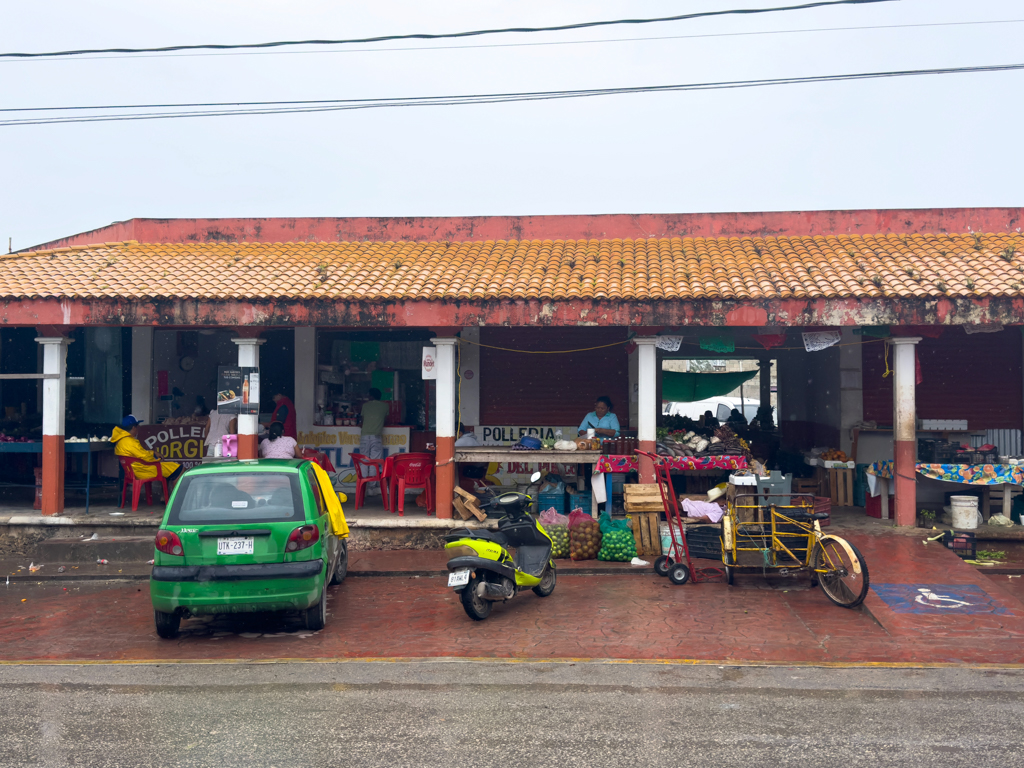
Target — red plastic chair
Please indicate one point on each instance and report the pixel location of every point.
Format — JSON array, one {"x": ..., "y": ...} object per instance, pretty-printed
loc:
[
  {"x": 364, "y": 478},
  {"x": 137, "y": 485},
  {"x": 410, "y": 470}
]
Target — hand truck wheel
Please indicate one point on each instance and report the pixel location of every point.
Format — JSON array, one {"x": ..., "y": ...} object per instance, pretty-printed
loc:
[
  {"x": 679, "y": 574},
  {"x": 663, "y": 565}
]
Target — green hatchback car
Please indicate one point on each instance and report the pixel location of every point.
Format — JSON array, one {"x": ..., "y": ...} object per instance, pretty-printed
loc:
[{"x": 245, "y": 536}]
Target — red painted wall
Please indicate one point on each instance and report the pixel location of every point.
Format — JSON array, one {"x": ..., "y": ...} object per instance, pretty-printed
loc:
[
  {"x": 545, "y": 390},
  {"x": 975, "y": 377},
  {"x": 269, "y": 230}
]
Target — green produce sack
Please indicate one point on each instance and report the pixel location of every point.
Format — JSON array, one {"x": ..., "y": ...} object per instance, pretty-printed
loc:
[
  {"x": 617, "y": 546},
  {"x": 608, "y": 525}
]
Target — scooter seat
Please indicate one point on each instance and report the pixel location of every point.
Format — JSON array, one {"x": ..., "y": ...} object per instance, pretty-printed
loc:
[{"x": 465, "y": 533}]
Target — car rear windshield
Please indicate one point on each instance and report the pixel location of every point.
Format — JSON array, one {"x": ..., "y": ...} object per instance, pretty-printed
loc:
[{"x": 245, "y": 497}]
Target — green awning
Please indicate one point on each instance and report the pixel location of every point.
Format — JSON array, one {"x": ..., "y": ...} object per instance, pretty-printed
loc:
[{"x": 689, "y": 387}]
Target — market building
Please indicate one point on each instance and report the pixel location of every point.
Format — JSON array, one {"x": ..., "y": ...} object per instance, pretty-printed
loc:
[{"x": 526, "y": 320}]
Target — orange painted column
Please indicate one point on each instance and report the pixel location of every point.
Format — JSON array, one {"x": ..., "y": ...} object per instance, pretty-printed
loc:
[
  {"x": 53, "y": 474},
  {"x": 55, "y": 354},
  {"x": 647, "y": 403},
  {"x": 447, "y": 424}
]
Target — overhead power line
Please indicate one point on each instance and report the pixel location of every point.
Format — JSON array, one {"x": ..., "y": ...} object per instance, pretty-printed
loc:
[
  {"x": 447, "y": 35},
  {"x": 756, "y": 33},
  {"x": 225, "y": 109}
]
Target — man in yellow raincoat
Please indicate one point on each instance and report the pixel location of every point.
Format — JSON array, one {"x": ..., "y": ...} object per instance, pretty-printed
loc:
[{"x": 126, "y": 443}]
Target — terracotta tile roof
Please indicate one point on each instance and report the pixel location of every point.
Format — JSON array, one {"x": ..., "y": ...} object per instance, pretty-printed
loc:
[{"x": 842, "y": 266}]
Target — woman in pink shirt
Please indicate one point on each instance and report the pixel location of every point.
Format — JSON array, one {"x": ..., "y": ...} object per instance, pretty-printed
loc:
[{"x": 277, "y": 446}]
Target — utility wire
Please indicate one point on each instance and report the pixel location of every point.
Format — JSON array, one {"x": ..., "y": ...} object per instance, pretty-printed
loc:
[
  {"x": 533, "y": 45},
  {"x": 448, "y": 35},
  {"x": 219, "y": 109}
]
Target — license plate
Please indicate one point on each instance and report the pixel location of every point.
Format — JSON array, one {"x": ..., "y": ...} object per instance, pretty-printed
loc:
[
  {"x": 459, "y": 578},
  {"x": 236, "y": 545}
]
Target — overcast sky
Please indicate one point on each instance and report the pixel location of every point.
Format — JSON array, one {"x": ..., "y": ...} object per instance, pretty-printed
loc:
[{"x": 936, "y": 141}]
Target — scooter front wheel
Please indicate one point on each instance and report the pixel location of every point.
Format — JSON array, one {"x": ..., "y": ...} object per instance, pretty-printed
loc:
[
  {"x": 547, "y": 583},
  {"x": 477, "y": 608}
]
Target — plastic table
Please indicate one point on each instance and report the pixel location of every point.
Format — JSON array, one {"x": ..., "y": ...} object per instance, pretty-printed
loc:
[{"x": 87, "y": 448}]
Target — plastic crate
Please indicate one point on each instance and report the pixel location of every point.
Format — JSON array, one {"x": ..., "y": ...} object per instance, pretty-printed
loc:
[
  {"x": 704, "y": 541},
  {"x": 962, "y": 543},
  {"x": 579, "y": 500},
  {"x": 546, "y": 501}
]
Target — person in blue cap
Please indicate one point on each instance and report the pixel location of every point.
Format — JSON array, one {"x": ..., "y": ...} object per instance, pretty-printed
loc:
[{"x": 126, "y": 443}]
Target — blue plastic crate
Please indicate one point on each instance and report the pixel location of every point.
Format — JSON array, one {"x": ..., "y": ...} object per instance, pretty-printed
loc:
[
  {"x": 580, "y": 500},
  {"x": 548, "y": 500}
]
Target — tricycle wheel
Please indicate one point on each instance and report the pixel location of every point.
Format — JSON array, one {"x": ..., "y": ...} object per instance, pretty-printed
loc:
[
  {"x": 729, "y": 570},
  {"x": 841, "y": 571},
  {"x": 679, "y": 574},
  {"x": 663, "y": 565},
  {"x": 167, "y": 624}
]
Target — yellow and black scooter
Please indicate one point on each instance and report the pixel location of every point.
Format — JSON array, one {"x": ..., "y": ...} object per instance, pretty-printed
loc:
[{"x": 483, "y": 571}]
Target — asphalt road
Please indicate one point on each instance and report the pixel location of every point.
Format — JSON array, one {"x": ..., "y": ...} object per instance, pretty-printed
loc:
[{"x": 467, "y": 713}]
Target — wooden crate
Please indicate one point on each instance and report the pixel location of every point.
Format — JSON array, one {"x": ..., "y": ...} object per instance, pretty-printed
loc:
[
  {"x": 646, "y": 533},
  {"x": 805, "y": 485},
  {"x": 642, "y": 498},
  {"x": 840, "y": 483}
]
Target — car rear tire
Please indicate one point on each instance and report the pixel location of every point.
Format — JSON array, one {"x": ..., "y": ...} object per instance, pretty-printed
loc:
[
  {"x": 315, "y": 617},
  {"x": 340, "y": 567},
  {"x": 167, "y": 624}
]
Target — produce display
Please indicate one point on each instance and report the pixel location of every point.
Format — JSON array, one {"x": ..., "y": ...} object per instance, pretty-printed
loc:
[
  {"x": 617, "y": 546},
  {"x": 723, "y": 441},
  {"x": 834, "y": 455},
  {"x": 559, "y": 540},
  {"x": 584, "y": 536}
]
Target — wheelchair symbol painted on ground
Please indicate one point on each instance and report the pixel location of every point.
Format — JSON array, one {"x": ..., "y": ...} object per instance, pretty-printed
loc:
[
  {"x": 927, "y": 597},
  {"x": 938, "y": 599}
]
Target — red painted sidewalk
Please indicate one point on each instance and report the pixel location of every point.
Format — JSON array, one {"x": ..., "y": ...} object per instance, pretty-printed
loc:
[{"x": 613, "y": 616}]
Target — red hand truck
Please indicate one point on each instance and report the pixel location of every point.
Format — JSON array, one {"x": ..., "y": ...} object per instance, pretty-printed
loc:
[{"x": 677, "y": 565}]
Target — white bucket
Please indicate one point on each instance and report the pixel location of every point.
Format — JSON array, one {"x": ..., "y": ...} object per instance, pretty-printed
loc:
[{"x": 965, "y": 512}]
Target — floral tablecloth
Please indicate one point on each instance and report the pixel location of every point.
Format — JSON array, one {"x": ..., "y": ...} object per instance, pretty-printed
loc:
[
  {"x": 629, "y": 463},
  {"x": 972, "y": 474}
]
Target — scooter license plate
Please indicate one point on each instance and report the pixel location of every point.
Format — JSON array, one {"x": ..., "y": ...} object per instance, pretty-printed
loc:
[{"x": 459, "y": 578}]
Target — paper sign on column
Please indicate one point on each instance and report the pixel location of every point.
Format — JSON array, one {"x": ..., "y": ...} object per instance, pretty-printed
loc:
[{"x": 429, "y": 366}]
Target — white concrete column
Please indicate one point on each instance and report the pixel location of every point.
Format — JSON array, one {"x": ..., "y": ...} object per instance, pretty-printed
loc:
[
  {"x": 647, "y": 402},
  {"x": 305, "y": 378},
  {"x": 55, "y": 356},
  {"x": 469, "y": 374},
  {"x": 905, "y": 428},
  {"x": 447, "y": 424},
  {"x": 142, "y": 374},
  {"x": 248, "y": 423}
]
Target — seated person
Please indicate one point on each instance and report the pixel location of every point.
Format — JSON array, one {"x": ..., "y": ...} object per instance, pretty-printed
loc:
[
  {"x": 736, "y": 419},
  {"x": 709, "y": 421},
  {"x": 278, "y": 446},
  {"x": 126, "y": 443},
  {"x": 601, "y": 419},
  {"x": 467, "y": 437}
]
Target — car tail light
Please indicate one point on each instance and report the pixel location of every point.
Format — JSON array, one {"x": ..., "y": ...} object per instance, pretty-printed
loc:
[
  {"x": 168, "y": 543},
  {"x": 302, "y": 537}
]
